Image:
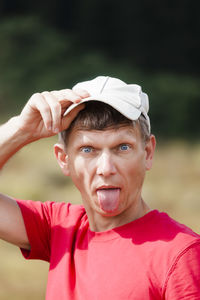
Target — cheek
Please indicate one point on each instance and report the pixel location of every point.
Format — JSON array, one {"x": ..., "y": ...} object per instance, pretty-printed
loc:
[
  {"x": 136, "y": 173},
  {"x": 80, "y": 173},
  {"x": 76, "y": 169}
]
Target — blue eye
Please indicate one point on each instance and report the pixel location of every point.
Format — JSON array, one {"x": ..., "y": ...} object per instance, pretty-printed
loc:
[
  {"x": 86, "y": 149},
  {"x": 124, "y": 147}
]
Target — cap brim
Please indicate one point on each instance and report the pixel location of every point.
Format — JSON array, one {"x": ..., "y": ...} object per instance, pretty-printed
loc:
[{"x": 129, "y": 111}]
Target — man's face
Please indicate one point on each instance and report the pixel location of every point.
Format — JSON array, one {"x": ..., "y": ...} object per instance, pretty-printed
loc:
[{"x": 108, "y": 167}]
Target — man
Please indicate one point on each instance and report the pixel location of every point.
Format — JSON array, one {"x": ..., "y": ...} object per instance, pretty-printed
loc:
[{"x": 114, "y": 246}]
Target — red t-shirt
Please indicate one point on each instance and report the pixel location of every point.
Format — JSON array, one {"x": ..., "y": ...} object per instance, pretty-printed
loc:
[{"x": 153, "y": 257}]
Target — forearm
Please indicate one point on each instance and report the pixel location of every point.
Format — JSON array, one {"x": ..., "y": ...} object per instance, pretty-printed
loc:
[{"x": 11, "y": 140}]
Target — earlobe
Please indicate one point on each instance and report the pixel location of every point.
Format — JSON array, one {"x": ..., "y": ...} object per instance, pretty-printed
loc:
[
  {"x": 62, "y": 158},
  {"x": 150, "y": 149}
]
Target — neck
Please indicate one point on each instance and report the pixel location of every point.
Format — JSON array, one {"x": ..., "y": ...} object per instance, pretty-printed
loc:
[{"x": 99, "y": 223}]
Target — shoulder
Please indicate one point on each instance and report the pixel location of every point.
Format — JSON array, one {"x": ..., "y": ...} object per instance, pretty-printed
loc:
[
  {"x": 165, "y": 238},
  {"x": 172, "y": 252},
  {"x": 166, "y": 228},
  {"x": 52, "y": 212},
  {"x": 183, "y": 275},
  {"x": 159, "y": 227},
  {"x": 175, "y": 241}
]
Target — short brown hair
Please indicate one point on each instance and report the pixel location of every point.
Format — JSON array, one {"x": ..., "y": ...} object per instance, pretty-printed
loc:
[{"x": 100, "y": 116}]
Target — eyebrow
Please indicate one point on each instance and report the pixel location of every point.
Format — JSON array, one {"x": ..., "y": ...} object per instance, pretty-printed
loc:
[{"x": 121, "y": 138}]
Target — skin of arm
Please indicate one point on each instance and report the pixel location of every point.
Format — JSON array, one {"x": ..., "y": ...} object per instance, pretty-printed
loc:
[
  {"x": 41, "y": 117},
  {"x": 10, "y": 140}
]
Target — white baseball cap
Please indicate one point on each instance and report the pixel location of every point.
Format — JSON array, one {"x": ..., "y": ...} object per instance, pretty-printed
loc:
[{"x": 128, "y": 99}]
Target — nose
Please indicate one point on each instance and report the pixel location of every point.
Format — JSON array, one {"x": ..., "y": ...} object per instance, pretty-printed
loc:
[{"x": 105, "y": 165}]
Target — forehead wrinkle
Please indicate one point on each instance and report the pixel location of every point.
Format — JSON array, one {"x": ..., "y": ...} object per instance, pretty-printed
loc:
[{"x": 111, "y": 135}]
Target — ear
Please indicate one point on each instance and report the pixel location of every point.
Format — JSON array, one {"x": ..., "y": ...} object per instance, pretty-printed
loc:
[
  {"x": 62, "y": 158},
  {"x": 150, "y": 149}
]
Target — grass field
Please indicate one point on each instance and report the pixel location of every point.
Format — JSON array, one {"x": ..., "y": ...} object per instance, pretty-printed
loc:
[{"x": 173, "y": 185}]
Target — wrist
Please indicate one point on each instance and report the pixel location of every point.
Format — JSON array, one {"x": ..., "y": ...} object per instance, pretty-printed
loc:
[{"x": 12, "y": 136}]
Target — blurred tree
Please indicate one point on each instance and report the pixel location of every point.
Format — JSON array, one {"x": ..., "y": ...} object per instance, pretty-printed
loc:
[
  {"x": 153, "y": 35},
  {"x": 50, "y": 45}
]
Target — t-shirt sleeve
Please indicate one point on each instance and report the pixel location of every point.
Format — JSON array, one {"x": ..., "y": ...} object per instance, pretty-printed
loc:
[
  {"x": 183, "y": 281},
  {"x": 38, "y": 223}
]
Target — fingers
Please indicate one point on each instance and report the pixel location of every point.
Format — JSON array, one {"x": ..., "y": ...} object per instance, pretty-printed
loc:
[
  {"x": 66, "y": 95},
  {"x": 52, "y": 105},
  {"x": 53, "y": 122},
  {"x": 81, "y": 93},
  {"x": 37, "y": 102},
  {"x": 67, "y": 120}
]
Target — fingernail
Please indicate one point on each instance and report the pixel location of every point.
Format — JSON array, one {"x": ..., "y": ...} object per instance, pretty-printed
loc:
[{"x": 78, "y": 100}]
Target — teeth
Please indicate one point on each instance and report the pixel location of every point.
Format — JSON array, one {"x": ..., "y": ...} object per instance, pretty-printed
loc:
[{"x": 109, "y": 188}]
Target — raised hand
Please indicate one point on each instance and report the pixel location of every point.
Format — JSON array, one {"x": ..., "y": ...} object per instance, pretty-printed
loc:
[{"x": 42, "y": 116}]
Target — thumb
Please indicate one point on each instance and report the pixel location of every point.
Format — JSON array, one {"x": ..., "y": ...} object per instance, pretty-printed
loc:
[{"x": 67, "y": 120}]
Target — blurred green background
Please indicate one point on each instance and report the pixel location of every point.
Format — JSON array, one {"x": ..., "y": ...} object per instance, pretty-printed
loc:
[{"x": 52, "y": 45}]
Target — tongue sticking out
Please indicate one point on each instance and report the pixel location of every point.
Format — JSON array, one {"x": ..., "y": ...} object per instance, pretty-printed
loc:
[{"x": 108, "y": 199}]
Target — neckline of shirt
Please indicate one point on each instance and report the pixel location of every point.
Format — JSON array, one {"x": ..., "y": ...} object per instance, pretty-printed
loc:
[{"x": 121, "y": 231}]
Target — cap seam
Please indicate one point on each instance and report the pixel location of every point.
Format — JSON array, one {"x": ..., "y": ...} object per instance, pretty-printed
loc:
[{"x": 104, "y": 84}]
